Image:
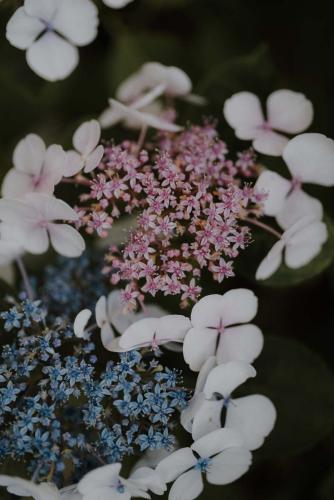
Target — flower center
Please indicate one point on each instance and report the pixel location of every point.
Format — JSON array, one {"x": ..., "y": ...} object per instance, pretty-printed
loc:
[
  {"x": 203, "y": 464},
  {"x": 265, "y": 126},
  {"x": 296, "y": 183},
  {"x": 120, "y": 487}
]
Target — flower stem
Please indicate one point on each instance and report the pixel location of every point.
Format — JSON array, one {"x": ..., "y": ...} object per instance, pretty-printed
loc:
[
  {"x": 79, "y": 179},
  {"x": 25, "y": 278},
  {"x": 141, "y": 138},
  {"x": 264, "y": 226}
]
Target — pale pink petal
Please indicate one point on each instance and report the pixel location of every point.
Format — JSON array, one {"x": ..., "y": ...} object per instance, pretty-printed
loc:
[
  {"x": 51, "y": 208},
  {"x": 110, "y": 116},
  {"x": 34, "y": 239},
  {"x": 224, "y": 378},
  {"x": 254, "y": 417},
  {"x": 238, "y": 306},
  {"x": 87, "y": 137},
  {"x": 289, "y": 111},
  {"x": 172, "y": 328},
  {"x": 305, "y": 245},
  {"x": 229, "y": 465},
  {"x": 175, "y": 464},
  {"x": 51, "y": 57},
  {"x": 66, "y": 240},
  {"x": 199, "y": 344},
  {"x": 54, "y": 166},
  {"x": 80, "y": 322},
  {"x": 29, "y": 155},
  {"x": 297, "y": 205},
  {"x": 16, "y": 184},
  {"x": 74, "y": 164},
  {"x": 239, "y": 343},
  {"x": 276, "y": 188},
  {"x": 22, "y": 30},
  {"x": 243, "y": 112},
  {"x": 216, "y": 441},
  {"x": 93, "y": 159},
  {"x": 101, "y": 311},
  {"x": 310, "y": 158},
  {"x": 150, "y": 96},
  {"x": 140, "y": 333},
  {"x": 207, "y": 418},
  {"x": 77, "y": 20},
  {"x": 272, "y": 261},
  {"x": 188, "y": 486},
  {"x": 270, "y": 143}
]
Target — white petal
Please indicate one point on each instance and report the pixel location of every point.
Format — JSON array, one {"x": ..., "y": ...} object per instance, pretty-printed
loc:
[
  {"x": 80, "y": 322},
  {"x": 93, "y": 159},
  {"x": 240, "y": 343},
  {"x": 187, "y": 487},
  {"x": 209, "y": 364},
  {"x": 66, "y": 240},
  {"x": 54, "y": 166},
  {"x": 145, "y": 118},
  {"x": 305, "y": 245},
  {"x": 41, "y": 9},
  {"x": 77, "y": 20},
  {"x": 207, "y": 312},
  {"x": 87, "y": 137},
  {"x": 276, "y": 188},
  {"x": 97, "y": 478},
  {"x": 224, "y": 378},
  {"x": 199, "y": 344},
  {"x": 16, "y": 184},
  {"x": 51, "y": 57},
  {"x": 297, "y": 205},
  {"x": 14, "y": 212},
  {"x": 51, "y": 208},
  {"x": 107, "y": 335},
  {"x": 238, "y": 306},
  {"x": 146, "y": 99},
  {"x": 140, "y": 333},
  {"x": 34, "y": 239},
  {"x": 101, "y": 311},
  {"x": 188, "y": 414},
  {"x": 175, "y": 464},
  {"x": 270, "y": 143},
  {"x": 217, "y": 441},
  {"x": 253, "y": 416},
  {"x": 229, "y": 465},
  {"x": 117, "y": 4},
  {"x": 29, "y": 155},
  {"x": 310, "y": 157},
  {"x": 243, "y": 112},
  {"x": 207, "y": 418},
  {"x": 271, "y": 262},
  {"x": 110, "y": 116},
  {"x": 74, "y": 164},
  {"x": 22, "y": 487},
  {"x": 22, "y": 29},
  {"x": 172, "y": 328},
  {"x": 289, "y": 111},
  {"x": 148, "y": 479}
]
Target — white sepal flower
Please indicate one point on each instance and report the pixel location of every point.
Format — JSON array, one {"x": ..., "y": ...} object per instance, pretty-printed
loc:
[
  {"x": 287, "y": 111},
  {"x": 298, "y": 246},
  {"x": 33, "y": 224},
  {"x": 36, "y": 168},
  {"x": 88, "y": 153},
  {"x": 252, "y": 416},
  {"x": 218, "y": 329},
  {"x": 310, "y": 159},
  {"x": 106, "y": 482},
  {"x": 24, "y": 488},
  {"x": 117, "y": 4},
  {"x": 51, "y": 31},
  {"x": 222, "y": 458},
  {"x": 152, "y": 332}
]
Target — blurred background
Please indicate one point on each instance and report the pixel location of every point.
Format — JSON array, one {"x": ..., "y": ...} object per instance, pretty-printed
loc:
[{"x": 225, "y": 46}]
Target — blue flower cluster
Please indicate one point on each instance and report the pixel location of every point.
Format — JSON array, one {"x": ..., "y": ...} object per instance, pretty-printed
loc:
[{"x": 58, "y": 406}]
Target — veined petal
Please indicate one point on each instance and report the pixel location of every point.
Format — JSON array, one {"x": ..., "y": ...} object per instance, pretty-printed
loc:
[
  {"x": 217, "y": 441},
  {"x": 270, "y": 143},
  {"x": 87, "y": 137},
  {"x": 51, "y": 57},
  {"x": 225, "y": 378},
  {"x": 239, "y": 343},
  {"x": 199, "y": 344},
  {"x": 29, "y": 154},
  {"x": 254, "y": 417},
  {"x": 310, "y": 158},
  {"x": 22, "y": 30},
  {"x": 289, "y": 111},
  {"x": 187, "y": 486},
  {"x": 66, "y": 240},
  {"x": 175, "y": 464},
  {"x": 229, "y": 465},
  {"x": 271, "y": 262},
  {"x": 277, "y": 189},
  {"x": 80, "y": 322},
  {"x": 77, "y": 20},
  {"x": 243, "y": 111}
]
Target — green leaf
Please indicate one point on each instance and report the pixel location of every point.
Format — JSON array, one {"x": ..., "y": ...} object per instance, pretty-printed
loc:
[{"x": 301, "y": 385}]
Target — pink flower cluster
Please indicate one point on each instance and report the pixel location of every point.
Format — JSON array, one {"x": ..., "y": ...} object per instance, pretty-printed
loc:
[{"x": 191, "y": 205}]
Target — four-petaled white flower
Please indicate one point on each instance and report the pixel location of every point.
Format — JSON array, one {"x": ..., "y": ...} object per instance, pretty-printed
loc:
[
  {"x": 117, "y": 4},
  {"x": 220, "y": 455},
  {"x": 310, "y": 159},
  {"x": 252, "y": 416},
  {"x": 300, "y": 244},
  {"x": 51, "y": 31},
  {"x": 106, "y": 483},
  {"x": 33, "y": 223},
  {"x": 218, "y": 329},
  {"x": 287, "y": 111},
  {"x": 36, "y": 168},
  {"x": 88, "y": 153},
  {"x": 152, "y": 332},
  {"x": 43, "y": 491}
]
